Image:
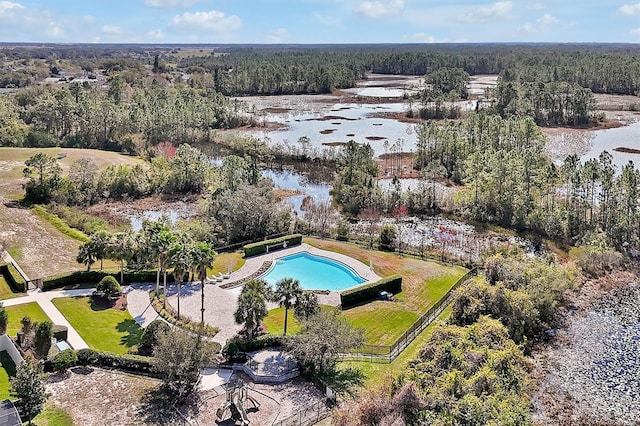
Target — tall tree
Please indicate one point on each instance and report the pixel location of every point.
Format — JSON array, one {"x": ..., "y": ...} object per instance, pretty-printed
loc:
[
  {"x": 44, "y": 175},
  {"x": 252, "y": 305},
  {"x": 179, "y": 259},
  {"x": 286, "y": 293},
  {"x": 202, "y": 257},
  {"x": 28, "y": 386}
]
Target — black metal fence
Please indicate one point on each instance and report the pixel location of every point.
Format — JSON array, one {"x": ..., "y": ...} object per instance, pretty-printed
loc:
[
  {"x": 309, "y": 415},
  {"x": 386, "y": 354}
]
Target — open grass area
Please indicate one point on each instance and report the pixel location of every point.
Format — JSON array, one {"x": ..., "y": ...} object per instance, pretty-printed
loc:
[
  {"x": 17, "y": 312},
  {"x": 376, "y": 374},
  {"x": 7, "y": 369},
  {"x": 59, "y": 224},
  {"x": 274, "y": 321},
  {"x": 226, "y": 261},
  {"x": 423, "y": 283},
  {"x": 102, "y": 328},
  {"x": 53, "y": 415},
  {"x": 5, "y": 290}
]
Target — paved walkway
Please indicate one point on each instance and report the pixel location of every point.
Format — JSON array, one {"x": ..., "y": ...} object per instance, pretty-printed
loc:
[
  {"x": 44, "y": 300},
  {"x": 139, "y": 304}
]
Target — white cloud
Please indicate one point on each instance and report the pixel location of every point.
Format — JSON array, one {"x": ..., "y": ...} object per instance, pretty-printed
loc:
[
  {"x": 88, "y": 19},
  {"x": 630, "y": 9},
  {"x": 277, "y": 36},
  {"x": 426, "y": 38},
  {"x": 329, "y": 21},
  {"x": 212, "y": 20},
  {"x": 6, "y": 6},
  {"x": 170, "y": 4},
  {"x": 541, "y": 24},
  {"x": 498, "y": 10},
  {"x": 54, "y": 31},
  {"x": 155, "y": 35},
  {"x": 537, "y": 6},
  {"x": 378, "y": 9},
  {"x": 111, "y": 29}
]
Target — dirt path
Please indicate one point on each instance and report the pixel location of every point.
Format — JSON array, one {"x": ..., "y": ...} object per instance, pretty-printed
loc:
[{"x": 43, "y": 250}]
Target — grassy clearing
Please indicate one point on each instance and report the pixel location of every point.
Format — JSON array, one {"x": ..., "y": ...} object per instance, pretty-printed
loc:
[
  {"x": 17, "y": 312},
  {"x": 7, "y": 369},
  {"x": 103, "y": 329},
  {"x": 59, "y": 224},
  {"x": 423, "y": 283},
  {"x": 53, "y": 415},
  {"x": 226, "y": 261},
  {"x": 376, "y": 374},
  {"x": 274, "y": 321}
]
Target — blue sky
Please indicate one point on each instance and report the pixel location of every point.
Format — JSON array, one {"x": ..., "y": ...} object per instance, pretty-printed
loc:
[{"x": 319, "y": 21}]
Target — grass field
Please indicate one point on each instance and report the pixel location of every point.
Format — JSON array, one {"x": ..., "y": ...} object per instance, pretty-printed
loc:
[
  {"x": 5, "y": 290},
  {"x": 7, "y": 369},
  {"x": 224, "y": 261},
  {"x": 103, "y": 329},
  {"x": 53, "y": 416},
  {"x": 423, "y": 283},
  {"x": 376, "y": 374},
  {"x": 17, "y": 312},
  {"x": 275, "y": 322}
]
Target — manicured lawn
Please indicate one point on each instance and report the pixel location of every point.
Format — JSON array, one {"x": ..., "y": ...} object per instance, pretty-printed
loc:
[
  {"x": 103, "y": 329},
  {"x": 53, "y": 416},
  {"x": 5, "y": 290},
  {"x": 275, "y": 322},
  {"x": 376, "y": 374},
  {"x": 7, "y": 369},
  {"x": 17, "y": 312},
  {"x": 423, "y": 283},
  {"x": 224, "y": 261}
]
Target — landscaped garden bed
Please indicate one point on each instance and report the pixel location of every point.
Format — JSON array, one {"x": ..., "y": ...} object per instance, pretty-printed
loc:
[{"x": 17, "y": 312}]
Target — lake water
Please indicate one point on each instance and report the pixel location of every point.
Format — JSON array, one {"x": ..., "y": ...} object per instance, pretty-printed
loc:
[{"x": 609, "y": 139}]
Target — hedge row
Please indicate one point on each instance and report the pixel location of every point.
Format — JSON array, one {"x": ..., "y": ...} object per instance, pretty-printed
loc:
[
  {"x": 368, "y": 292},
  {"x": 129, "y": 363},
  {"x": 252, "y": 345},
  {"x": 261, "y": 247},
  {"x": 91, "y": 277},
  {"x": 13, "y": 277}
]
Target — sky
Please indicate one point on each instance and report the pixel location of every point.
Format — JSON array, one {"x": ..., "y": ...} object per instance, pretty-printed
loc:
[{"x": 319, "y": 21}]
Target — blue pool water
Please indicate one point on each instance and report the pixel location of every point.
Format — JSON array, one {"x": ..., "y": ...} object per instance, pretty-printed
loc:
[
  {"x": 313, "y": 272},
  {"x": 62, "y": 345}
]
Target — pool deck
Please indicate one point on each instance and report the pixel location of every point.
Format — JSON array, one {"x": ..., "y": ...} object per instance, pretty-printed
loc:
[{"x": 254, "y": 263}]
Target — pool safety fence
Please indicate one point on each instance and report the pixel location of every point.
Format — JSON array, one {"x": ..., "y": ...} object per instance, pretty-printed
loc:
[
  {"x": 309, "y": 415},
  {"x": 386, "y": 354}
]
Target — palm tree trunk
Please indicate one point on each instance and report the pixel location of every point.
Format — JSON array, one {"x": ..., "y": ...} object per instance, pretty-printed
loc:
[
  {"x": 286, "y": 315},
  {"x": 179, "y": 290},
  {"x": 164, "y": 289},
  {"x": 101, "y": 259},
  {"x": 158, "y": 279},
  {"x": 202, "y": 298},
  {"x": 122, "y": 272}
]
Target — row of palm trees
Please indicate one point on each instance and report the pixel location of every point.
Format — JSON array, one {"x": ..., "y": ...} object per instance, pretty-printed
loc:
[
  {"x": 156, "y": 243},
  {"x": 252, "y": 302}
]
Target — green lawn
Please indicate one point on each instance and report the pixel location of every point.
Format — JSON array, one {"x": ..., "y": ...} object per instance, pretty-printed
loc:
[
  {"x": 5, "y": 290},
  {"x": 275, "y": 322},
  {"x": 17, "y": 312},
  {"x": 53, "y": 416},
  {"x": 7, "y": 369},
  {"x": 375, "y": 374},
  {"x": 224, "y": 261},
  {"x": 383, "y": 322},
  {"x": 103, "y": 329}
]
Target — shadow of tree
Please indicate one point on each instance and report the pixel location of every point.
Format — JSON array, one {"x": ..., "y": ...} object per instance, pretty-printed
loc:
[
  {"x": 343, "y": 382},
  {"x": 157, "y": 407},
  {"x": 133, "y": 330}
]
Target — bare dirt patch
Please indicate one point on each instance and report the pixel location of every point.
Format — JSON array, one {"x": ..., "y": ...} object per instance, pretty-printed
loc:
[
  {"x": 92, "y": 396},
  {"x": 43, "y": 249}
]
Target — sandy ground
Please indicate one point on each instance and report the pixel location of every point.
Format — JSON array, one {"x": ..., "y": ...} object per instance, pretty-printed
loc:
[
  {"x": 43, "y": 250},
  {"x": 93, "y": 396}
]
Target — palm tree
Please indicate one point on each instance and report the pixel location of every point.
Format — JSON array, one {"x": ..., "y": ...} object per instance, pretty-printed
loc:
[
  {"x": 121, "y": 248},
  {"x": 178, "y": 257},
  {"x": 306, "y": 305},
  {"x": 287, "y": 290},
  {"x": 86, "y": 255},
  {"x": 164, "y": 239},
  {"x": 202, "y": 257},
  {"x": 155, "y": 246},
  {"x": 99, "y": 243},
  {"x": 252, "y": 305}
]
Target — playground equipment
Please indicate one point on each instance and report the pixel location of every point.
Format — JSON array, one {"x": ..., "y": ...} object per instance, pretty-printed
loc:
[{"x": 237, "y": 393}]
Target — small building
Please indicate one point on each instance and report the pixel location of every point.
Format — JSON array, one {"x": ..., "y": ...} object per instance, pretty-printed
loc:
[{"x": 9, "y": 415}]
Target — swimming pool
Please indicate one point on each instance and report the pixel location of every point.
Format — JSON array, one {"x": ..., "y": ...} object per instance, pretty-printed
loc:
[{"x": 313, "y": 272}]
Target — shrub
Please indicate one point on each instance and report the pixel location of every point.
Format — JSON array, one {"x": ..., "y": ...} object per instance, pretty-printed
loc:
[
  {"x": 342, "y": 231},
  {"x": 171, "y": 316},
  {"x": 84, "y": 277},
  {"x": 251, "y": 345},
  {"x": 42, "y": 340},
  {"x": 261, "y": 246},
  {"x": 108, "y": 286},
  {"x": 13, "y": 277},
  {"x": 64, "y": 360},
  {"x": 4, "y": 319},
  {"x": 133, "y": 363},
  {"x": 387, "y": 238},
  {"x": 368, "y": 292},
  {"x": 149, "y": 338},
  {"x": 87, "y": 356}
]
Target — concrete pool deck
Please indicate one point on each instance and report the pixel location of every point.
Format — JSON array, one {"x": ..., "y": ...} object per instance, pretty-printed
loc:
[{"x": 221, "y": 303}]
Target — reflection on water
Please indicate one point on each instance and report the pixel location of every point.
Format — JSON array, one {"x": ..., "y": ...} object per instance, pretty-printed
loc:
[
  {"x": 137, "y": 219},
  {"x": 609, "y": 139},
  {"x": 292, "y": 180}
]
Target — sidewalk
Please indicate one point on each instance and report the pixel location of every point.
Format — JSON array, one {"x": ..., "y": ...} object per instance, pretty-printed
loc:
[{"x": 44, "y": 300}]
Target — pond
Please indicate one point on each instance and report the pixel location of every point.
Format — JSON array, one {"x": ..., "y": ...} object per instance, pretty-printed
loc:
[{"x": 610, "y": 139}]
